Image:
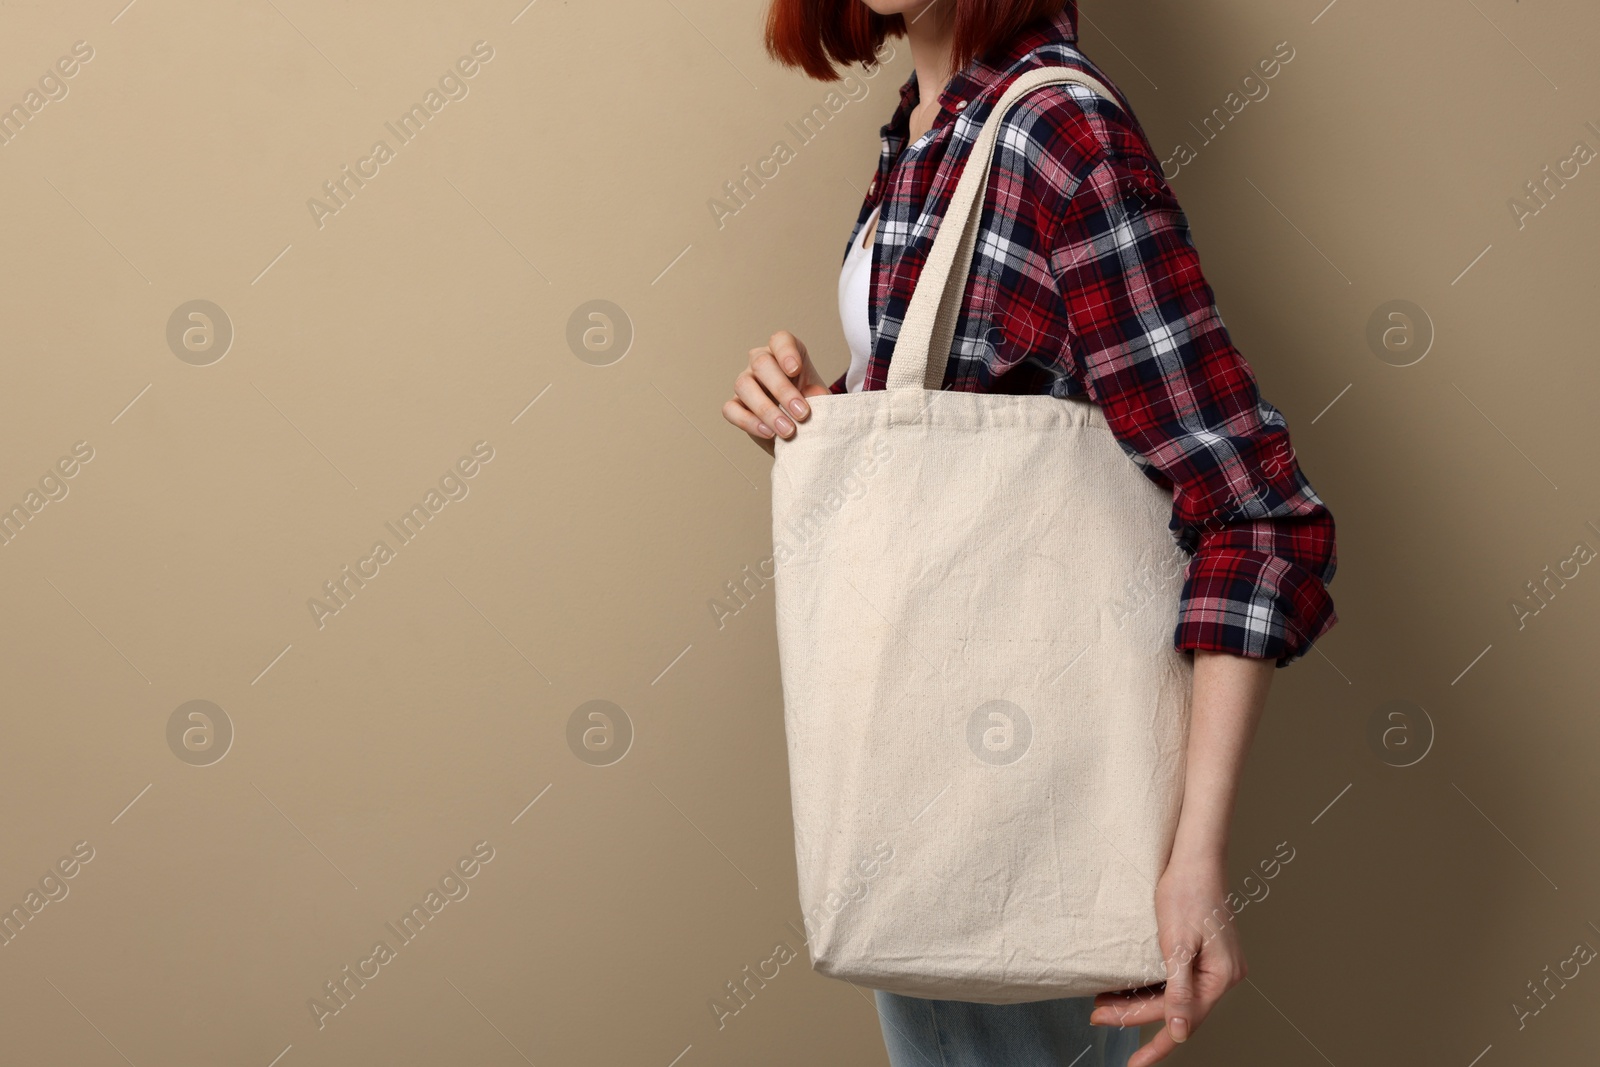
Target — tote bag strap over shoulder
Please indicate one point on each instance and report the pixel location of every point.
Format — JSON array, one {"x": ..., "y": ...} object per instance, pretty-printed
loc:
[{"x": 922, "y": 350}]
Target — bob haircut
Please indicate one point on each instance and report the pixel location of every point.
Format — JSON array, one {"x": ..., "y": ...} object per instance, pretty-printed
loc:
[{"x": 815, "y": 34}]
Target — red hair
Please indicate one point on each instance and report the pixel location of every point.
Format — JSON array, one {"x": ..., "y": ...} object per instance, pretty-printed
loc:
[{"x": 815, "y": 34}]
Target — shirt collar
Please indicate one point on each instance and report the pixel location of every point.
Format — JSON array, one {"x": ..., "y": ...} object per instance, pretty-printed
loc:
[{"x": 968, "y": 84}]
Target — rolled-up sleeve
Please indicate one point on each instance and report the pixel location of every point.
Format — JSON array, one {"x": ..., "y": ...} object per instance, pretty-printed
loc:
[{"x": 1183, "y": 403}]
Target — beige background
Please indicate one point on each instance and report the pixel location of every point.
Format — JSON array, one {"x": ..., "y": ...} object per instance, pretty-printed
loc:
[{"x": 372, "y": 754}]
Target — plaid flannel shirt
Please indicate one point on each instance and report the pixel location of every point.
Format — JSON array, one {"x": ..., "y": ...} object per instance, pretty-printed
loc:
[{"x": 1086, "y": 283}]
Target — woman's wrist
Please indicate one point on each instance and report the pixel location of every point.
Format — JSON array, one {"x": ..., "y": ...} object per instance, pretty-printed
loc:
[
  {"x": 1198, "y": 853},
  {"x": 1204, "y": 820}
]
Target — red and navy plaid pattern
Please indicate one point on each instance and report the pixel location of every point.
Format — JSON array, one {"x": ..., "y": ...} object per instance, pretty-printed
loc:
[{"x": 1086, "y": 283}]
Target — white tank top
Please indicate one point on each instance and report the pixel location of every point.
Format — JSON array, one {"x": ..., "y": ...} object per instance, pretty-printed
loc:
[{"x": 855, "y": 280}]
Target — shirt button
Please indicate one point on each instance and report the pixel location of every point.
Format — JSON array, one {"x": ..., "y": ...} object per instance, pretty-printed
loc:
[
  {"x": 872, "y": 188},
  {"x": 961, "y": 106}
]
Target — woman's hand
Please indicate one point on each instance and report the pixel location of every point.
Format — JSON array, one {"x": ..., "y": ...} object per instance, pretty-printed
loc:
[
  {"x": 1204, "y": 960},
  {"x": 769, "y": 395}
]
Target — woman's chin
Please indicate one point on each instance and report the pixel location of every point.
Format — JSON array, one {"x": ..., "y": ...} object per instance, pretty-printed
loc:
[{"x": 896, "y": 7}]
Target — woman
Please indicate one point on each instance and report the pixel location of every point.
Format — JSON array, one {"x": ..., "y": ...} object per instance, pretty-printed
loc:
[{"x": 1085, "y": 283}]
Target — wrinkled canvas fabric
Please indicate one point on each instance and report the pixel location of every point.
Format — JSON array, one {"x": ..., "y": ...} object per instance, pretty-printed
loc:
[{"x": 985, "y": 715}]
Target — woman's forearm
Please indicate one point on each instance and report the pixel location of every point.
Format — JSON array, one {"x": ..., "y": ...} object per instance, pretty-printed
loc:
[
  {"x": 1203, "y": 958},
  {"x": 1229, "y": 694}
]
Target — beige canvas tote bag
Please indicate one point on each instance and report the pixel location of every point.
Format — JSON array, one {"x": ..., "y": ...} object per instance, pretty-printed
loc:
[{"x": 985, "y": 715}]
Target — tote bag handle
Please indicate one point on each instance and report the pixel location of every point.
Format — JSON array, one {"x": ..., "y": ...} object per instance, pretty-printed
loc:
[{"x": 922, "y": 350}]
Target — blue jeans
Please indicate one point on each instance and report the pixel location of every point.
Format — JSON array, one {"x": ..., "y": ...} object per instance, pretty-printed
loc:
[{"x": 1042, "y": 1033}]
